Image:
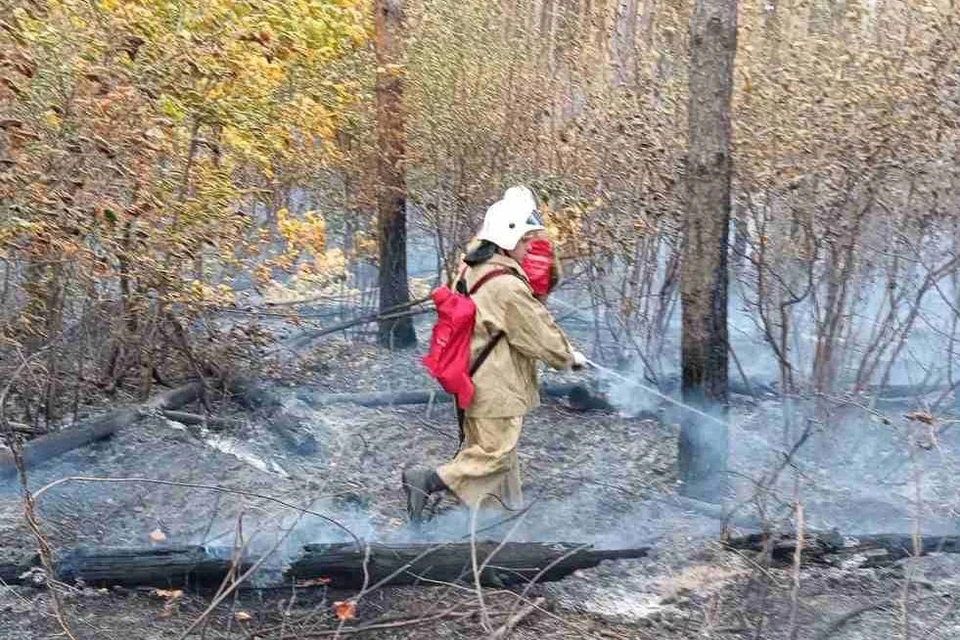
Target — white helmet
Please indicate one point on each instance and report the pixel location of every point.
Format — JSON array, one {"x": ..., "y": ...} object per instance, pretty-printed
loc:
[
  {"x": 521, "y": 194},
  {"x": 510, "y": 218}
]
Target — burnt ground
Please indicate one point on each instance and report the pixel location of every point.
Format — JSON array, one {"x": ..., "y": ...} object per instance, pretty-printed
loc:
[{"x": 601, "y": 478}]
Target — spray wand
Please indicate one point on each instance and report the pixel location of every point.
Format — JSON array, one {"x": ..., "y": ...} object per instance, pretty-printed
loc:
[
  {"x": 640, "y": 385},
  {"x": 654, "y": 391}
]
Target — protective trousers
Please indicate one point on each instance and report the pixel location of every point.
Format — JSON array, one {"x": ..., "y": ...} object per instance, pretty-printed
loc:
[{"x": 486, "y": 471}]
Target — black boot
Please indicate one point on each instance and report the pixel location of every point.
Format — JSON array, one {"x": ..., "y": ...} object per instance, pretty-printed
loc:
[{"x": 418, "y": 484}]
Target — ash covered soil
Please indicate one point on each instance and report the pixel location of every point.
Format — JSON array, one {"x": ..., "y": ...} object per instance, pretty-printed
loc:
[{"x": 596, "y": 477}]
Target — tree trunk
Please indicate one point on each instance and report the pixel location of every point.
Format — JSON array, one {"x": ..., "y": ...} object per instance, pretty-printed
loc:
[
  {"x": 703, "y": 444},
  {"x": 391, "y": 187},
  {"x": 623, "y": 42}
]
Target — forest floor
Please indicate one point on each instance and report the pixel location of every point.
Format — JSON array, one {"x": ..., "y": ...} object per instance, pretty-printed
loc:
[{"x": 589, "y": 477}]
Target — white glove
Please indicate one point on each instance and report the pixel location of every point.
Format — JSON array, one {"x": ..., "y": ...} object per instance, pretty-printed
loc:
[{"x": 579, "y": 360}]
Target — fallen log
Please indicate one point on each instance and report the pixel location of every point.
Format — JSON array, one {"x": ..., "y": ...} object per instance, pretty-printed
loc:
[
  {"x": 749, "y": 387},
  {"x": 377, "y": 398},
  {"x": 580, "y": 396},
  {"x": 404, "y": 564},
  {"x": 339, "y": 565},
  {"x": 54, "y": 444},
  {"x": 161, "y": 567},
  {"x": 834, "y": 548}
]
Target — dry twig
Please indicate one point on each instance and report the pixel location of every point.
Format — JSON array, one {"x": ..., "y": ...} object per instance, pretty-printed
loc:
[{"x": 516, "y": 619}]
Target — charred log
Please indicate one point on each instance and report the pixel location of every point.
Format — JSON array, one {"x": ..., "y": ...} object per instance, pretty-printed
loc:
[
  {"x": 161, "y": 567},
  {"x": 186, "y": 566},
  {"x": 379, "y": 398},
  {"x": 339, "y": 565},
  {"x": 514, "y": 563}
]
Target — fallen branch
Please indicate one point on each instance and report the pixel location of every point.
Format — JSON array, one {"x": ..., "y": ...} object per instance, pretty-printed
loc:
[
  {"x": 745, "y": 387},
  {"x": 55, "y": 444},
  {"x": 184, "y": 417},
  {"x": 833, "y": 547},
  {"x": 19, "y": 427},
  {"x": 302, "y": 340}
]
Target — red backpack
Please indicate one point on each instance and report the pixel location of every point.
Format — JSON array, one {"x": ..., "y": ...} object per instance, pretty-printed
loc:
[{"x": 449, "y": 357}]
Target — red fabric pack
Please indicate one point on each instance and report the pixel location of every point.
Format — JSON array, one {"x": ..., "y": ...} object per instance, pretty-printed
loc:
[{"x": 448, "y": 359}]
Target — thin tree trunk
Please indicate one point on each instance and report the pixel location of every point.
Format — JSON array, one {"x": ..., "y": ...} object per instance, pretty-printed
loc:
[
  {"x": 704, "y": 340},
  {"x": 623, "y": 42},
  {"x": 391, "y": 190}
]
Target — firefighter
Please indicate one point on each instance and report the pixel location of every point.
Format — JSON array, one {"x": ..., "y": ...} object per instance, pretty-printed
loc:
[{"x": 485, "y": 471}]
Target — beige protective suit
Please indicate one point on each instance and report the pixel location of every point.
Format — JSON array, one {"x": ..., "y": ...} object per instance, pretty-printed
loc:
[{"x": 486, "y": 472}]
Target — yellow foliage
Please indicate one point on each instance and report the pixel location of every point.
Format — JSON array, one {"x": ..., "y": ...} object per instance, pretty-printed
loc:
[
  {"x": 307, "y": 233},
  {"x": 175, "y": 109}
]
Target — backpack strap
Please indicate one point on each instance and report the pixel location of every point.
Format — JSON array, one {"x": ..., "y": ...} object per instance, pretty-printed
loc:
[
  {"x": 485, "y": 352},
  {"x": 490, "y": 275},
  {"x": 489, "y": 347}
]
